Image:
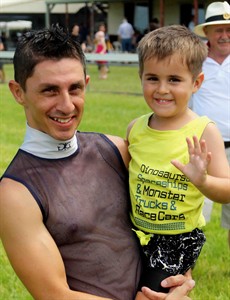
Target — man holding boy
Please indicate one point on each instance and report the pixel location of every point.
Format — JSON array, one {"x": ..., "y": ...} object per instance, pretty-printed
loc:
[{"x": 66, "y": 236}]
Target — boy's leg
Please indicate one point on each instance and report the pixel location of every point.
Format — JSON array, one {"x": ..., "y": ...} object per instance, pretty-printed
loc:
[{"x": 152, "y": 278}]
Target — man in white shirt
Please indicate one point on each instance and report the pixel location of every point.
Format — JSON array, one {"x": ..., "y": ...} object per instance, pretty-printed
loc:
[
  {"x": 125, "y": 33},
  {"x": 213, "y": 98}
]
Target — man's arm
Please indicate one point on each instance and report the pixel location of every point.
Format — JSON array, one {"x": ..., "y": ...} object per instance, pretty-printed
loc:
[
  {"x": 29, "y": 246},
  {"x": 122, "y": 146}
]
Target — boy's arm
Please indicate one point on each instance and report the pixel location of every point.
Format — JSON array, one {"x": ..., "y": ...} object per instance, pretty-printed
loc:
[
  {"x": 29, "y": 246},
  {"x": 130, "y": 127},
  {"x": 208, "y": 167}
]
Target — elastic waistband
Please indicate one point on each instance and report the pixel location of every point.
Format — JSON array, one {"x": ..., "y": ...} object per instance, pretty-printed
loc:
[{"x": 227, "y": 144}]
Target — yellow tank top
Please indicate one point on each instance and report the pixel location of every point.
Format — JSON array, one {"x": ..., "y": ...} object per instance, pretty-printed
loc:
[{"x": 163, "y": 199}]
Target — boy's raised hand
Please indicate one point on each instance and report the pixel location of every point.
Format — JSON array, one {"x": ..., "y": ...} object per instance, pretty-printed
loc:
[{"x": 199, "y": 159}]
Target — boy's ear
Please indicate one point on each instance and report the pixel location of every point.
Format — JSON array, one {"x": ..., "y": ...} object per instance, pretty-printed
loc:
[
  {"x": 198, "y": 82},
  {"x": 140, "y": 74},
  {"x": 16, "y": 91}
]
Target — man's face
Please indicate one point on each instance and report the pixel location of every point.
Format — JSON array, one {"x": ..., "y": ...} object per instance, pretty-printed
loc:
[
  {"x": 219, "y": 38},
  {"x": 54, "y": 97}
]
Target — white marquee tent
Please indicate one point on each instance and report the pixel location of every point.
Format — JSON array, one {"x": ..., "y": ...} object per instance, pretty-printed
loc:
[
  {"x": 38, "y": 6},
  {"x": 20, "y": 24}
]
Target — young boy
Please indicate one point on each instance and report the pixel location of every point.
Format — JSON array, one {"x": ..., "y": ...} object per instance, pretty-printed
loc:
[{"x": 167, "y": 194}]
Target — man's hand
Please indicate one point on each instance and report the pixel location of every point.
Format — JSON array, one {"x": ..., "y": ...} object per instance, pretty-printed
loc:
[{"x": 176, "y": 293}]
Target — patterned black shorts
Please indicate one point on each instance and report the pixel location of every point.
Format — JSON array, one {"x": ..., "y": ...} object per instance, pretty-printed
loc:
[{"x": 175, "y": 254}]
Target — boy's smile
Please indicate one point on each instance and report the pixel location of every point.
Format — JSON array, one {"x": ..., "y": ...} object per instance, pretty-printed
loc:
[{"x": 168, "y": 85}]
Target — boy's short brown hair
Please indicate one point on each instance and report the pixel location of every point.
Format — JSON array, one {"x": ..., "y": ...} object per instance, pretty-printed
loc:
[{"x": 168, "y": 40}]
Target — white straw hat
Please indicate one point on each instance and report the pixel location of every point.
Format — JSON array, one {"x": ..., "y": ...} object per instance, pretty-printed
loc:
[{"x": 216, "y": 13}]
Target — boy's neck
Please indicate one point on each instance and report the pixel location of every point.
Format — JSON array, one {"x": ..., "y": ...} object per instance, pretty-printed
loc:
[{"x": 171, "y": 123}]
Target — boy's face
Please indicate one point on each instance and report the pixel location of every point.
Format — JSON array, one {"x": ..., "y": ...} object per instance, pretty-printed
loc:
[
  {"x": 168, "y": 85},
  {"x": 54, "y": 97}
]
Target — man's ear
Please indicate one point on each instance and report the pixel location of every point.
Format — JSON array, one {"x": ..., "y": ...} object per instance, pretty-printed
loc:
[
  {"x": 16, "y": 91},
  {"x": 198, "y": 82},
  {"x": 87, "y": 79},
  {"x": 205, "y": 30}
]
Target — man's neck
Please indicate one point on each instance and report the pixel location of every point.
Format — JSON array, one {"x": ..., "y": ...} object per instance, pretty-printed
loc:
[
  {"x": 218, "y": 57},
  {"x": 43, "y": 145}
]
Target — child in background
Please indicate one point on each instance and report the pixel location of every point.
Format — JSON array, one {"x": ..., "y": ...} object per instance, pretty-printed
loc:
[
  {"x": 100, "y": 47},
  {"x": 168, "y": 176},
  {"x": 2, "y": 72}
]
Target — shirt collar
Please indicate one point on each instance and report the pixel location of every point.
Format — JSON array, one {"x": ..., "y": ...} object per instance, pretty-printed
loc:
[{"x": 42, "y": 145}]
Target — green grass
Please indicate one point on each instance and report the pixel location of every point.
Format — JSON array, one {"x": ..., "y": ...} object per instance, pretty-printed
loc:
[{"x": 110, "y": 105}]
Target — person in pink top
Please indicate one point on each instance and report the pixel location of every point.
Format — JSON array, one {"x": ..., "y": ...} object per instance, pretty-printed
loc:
[{"x": 100, "y": 48}]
